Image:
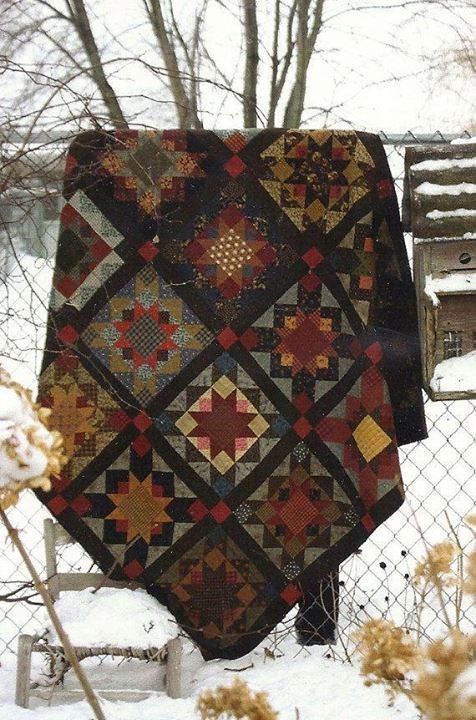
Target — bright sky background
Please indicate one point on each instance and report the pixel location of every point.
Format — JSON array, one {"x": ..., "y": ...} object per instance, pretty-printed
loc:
[{"x": 371, "y": 65}]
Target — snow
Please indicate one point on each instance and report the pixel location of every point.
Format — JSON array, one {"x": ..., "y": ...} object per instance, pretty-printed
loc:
[
  {"x": 114, "y": 617},
  {"x": 456, "y": 374},
  {"x": 453, "y": 282},
  {"x": 459, "y": 212},
  {"x": 24, "y": 296},
  {"x": 442, "y": 239},
  {"x": 443, "y": 164},
  {"x": 21, "y": 437},
  {"x": 298, "y": 678},
  {"x": 464, "y": 141},
  {"x": 428, "y": 188},
  {"x": 466, "y": 683}
]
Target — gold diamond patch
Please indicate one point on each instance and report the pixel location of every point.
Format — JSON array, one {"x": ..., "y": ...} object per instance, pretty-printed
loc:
[{"x": 370, "y": 438}]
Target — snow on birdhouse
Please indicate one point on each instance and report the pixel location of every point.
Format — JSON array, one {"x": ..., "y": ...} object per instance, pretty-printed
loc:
[{"x": 440, "y": 210}]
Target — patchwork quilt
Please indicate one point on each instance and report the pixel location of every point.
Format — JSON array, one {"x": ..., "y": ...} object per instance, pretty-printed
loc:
[{"x": 232, "y": 357}]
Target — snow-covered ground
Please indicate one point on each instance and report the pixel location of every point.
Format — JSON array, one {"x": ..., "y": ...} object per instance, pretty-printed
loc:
[{"x": 302, "y": 679}]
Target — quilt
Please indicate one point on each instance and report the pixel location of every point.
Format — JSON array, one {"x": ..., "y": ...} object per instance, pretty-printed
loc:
[{"x": 232, "y": 358}]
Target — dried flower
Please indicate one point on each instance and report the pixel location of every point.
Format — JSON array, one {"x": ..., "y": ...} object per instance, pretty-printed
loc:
[
  {"x": 439, "y": 690},
  {"x": 470, "y": 580},
  {"x": 236, "y": 701},
  {"x": 435, "y": 568},
  {"x": 471, "y": 520},
  {"x": 388, "y": 654},
  {"x": 29, "y": 452}
]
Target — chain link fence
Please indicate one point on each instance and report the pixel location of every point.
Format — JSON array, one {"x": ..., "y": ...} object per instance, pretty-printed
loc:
[{"x": 376, "y": 581}]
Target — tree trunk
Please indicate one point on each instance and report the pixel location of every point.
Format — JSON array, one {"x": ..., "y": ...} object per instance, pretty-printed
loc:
[
  {"x": 251, "y": 63},
  {"x": 305, "y": 47},
  {"x": 185, "y": 113},
  {"x": 83, "y": 28}
]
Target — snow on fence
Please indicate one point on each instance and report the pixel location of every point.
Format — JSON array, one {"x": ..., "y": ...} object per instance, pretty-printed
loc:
[{"x": 438, "y": 472}]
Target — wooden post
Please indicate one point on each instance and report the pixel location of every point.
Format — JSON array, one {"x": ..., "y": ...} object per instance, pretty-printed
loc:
[
  {"x": 50, "y": 558},
  {"x": 22, "y": 691},
  {"x": 173, "y": 672}
]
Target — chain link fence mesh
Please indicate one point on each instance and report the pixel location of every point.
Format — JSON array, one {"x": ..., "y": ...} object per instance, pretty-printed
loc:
[{"x": 376, "y": 581}]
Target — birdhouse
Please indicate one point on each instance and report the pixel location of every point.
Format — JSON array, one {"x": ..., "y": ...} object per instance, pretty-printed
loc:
[{"x": 440, "y": 210}]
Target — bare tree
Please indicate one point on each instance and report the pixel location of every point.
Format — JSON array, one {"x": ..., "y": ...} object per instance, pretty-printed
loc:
[{"x": 82, "y": 60}]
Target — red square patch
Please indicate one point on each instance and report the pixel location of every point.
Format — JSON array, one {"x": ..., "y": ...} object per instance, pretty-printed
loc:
[
  {"x": 234, "y": 166},
  {"x": 68, "y": 335},
  {"x": 310, "y": 281},
  {"x": 302, "y": 427},
  {"x": 302, "y": 402},
  {"x": 227, "y": 337},
  {"x": 374, "y": 352},
  {"x": 220, "y": 512},
  {"x": 291, "y": 593},
  {"x": 81, "y": 505},
  {"x": 141, "y": 445},
  {"x": 312, "y": 257},
  {"x": 197, "y": 510},
  {"x": 148, "y": 250},
  {"x": 142, "y": 421},
  {"x": 57, "y": 505},
  {"x": 133, "y": 569},
  {"x": 249, "y": 339}
]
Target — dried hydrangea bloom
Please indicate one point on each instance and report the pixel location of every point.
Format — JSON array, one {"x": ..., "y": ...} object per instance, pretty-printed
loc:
[
  {"x": 445, "y": 689},
  {"x": 470, "y": 580},
  {"x": 29, "y": 452},
  {"x": 388, "y": 653},
  {"x": 236, "y": 701},
  {"x": 436, "y": 568}
]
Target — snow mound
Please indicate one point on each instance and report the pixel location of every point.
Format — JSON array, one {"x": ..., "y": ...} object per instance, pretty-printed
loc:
[
  {"x": 428, "y": 188},
  {"x": 464, "y": 141},
  {"x": 116, "y": 617},
  {"x": 459, "y": 212},
  {"x": 444, "y": 164},
  {"x": 453, "y": 282},
  {"x": 456, "y": 374}
]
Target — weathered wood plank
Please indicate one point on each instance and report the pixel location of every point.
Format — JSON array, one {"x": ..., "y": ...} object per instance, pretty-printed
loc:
[
  {"x": 423, "y": 204},
  {"x": 86, "y": 651},
  {"x": 62, "y": 537},
  {"x": 456, "y": 227},
  {"x": 81, "y": 581},
  {"x": 22, "y": 690}
]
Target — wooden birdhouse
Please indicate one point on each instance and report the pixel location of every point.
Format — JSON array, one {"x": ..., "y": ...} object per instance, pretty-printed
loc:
[{"x": 440, "y": 210}]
